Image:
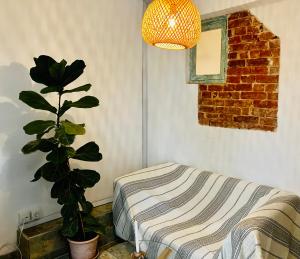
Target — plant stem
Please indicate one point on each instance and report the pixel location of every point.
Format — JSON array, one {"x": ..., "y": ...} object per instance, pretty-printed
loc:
[
  {"x": 58, "y": 111},
  {"x": 81, "y": 225}
]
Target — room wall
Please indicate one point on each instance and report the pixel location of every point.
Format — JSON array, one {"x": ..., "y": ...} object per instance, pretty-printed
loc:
[
  {"x": 264, "y": 157},
  {"x": 106, "y": 35}
]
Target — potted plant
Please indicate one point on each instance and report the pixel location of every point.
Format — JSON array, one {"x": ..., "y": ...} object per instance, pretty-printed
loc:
[{"x": 55, "y": 137}]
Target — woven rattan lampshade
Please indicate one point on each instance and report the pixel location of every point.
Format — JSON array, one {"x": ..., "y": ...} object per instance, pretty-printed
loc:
[{"x": 172, "y": 24}]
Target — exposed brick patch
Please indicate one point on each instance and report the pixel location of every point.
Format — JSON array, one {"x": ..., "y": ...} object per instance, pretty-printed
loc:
[{"x": 249, "y": 98}]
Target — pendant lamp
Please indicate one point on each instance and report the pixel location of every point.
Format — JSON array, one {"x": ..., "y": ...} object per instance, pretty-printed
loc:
[{"x": 172, "y": 24}]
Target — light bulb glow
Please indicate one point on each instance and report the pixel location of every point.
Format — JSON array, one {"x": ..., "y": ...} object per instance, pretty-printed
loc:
[{"x": 172, "y": 23}]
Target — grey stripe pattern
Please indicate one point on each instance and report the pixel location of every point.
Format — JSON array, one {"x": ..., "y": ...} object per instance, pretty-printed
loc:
[{"x": 206, "y": 215}]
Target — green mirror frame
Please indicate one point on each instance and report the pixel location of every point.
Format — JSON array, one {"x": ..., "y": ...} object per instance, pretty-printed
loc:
[{"x": 207, "y": 25}]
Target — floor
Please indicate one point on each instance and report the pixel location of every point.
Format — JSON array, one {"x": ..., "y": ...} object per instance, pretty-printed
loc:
[{"x": 120, "y": 251}]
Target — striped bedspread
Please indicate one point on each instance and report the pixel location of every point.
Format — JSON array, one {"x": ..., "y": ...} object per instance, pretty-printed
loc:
[{"x": 206, "y": 215}]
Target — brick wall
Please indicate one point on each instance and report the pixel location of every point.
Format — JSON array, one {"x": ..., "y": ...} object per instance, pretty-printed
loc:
[{"x": 249, "y": 98}]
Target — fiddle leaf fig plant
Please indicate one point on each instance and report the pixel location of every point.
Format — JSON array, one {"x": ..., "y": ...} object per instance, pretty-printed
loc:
[{"x": 55, "y": 137}]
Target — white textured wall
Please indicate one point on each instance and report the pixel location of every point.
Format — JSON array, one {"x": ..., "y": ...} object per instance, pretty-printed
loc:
[
  {"x": 106, "y": 35},
  {"x": 264, "y": 157}
]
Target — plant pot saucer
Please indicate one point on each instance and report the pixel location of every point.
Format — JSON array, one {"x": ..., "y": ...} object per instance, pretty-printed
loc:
[{"x": 97, "y": 256}]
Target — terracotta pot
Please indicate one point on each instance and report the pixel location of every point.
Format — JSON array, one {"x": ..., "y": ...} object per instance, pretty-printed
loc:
[{"x": 85, "y": 249}]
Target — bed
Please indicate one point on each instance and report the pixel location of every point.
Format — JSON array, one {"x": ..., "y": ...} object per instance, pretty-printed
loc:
[{"x": 202, "y": 214}]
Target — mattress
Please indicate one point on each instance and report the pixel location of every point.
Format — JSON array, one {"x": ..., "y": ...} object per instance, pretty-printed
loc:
[{"x": 201, "y": 214}]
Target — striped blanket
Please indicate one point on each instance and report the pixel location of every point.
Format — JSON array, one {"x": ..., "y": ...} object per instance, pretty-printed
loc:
[{"x": 206, "y": 215}]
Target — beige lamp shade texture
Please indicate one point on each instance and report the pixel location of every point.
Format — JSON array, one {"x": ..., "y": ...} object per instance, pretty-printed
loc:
[{"x": 172, "y": 24}]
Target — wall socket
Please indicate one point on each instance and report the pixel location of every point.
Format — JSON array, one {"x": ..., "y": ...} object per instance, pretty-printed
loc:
[{"x": 28, "y": 215}]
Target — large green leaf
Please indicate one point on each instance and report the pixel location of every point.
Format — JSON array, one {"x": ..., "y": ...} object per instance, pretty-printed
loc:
[
  {"x": 61, "y": 189},
  {"x": 72, "y": 128},
  {"x": 31, "y": 147},
  {"x": 40, "y": 73},
  {"x": 50, "y": 172},
  {"x": 84, "y": 102},
  {"x": 87, "y": 206},
  {"x": 63, "y": 137},
  {"x": 44, "y": 145},
  {"x": 73, "y": 71},
  {"x": 85, "y": 178},
  {"x": 55, "y": 75},
  {"x": 49, "y": 89},
  {"x": 60, "y": 154},
  {"x": 69, "y": 210},
  {"x": 36, "y": 101},
  {"x": 88, "y": 152},
  {"x": 38, "y": 126},
  {"x": 70, "y": 227},
  {"x": 57, "y": 70},
  {"x": 79, "y": 89}
]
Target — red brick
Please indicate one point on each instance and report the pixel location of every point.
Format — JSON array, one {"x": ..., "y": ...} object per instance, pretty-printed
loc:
[
  {"x": 241, "y": 103},
  {"x": 229, "y": 102},
  {"x": 212, "y": 115},
  {"x": 245, "y": 111},
  {"x": 204, "y": 108},
  {"x": 202, "y": 87},
  {"x": 253, "y": 95},
  {"x": 253, "y": 30},
  {"x": 260, "y": 53},
  {"x": 201, "y": 115},
  {"x": 260, "y": 70},
  {"x": 239, "y": 22},
  {"x": 248, "y": 79},
  {"x": 229, "y": 87},
  {"x": 234, "y": 110},
  {"x": 249, "y": 38},
  {"x": 265, "y": 104},
  {"x": 275, "y": 52},
  {"x": 274, "y": 70},
  {"x": 267, "y": 35},
  {"x": 240, "y": 31},
  {"x": 268, "y": 121},
  {"x": 256, "y": 22},
  {"x": 232, "y": 55},
  {"x": 206, "y": 102},
  {"x": 274, "y": 44},
  {"x": 258, "y": 62},
  {"x": 238, "y": 15},
  {"x": 251, "y": 119},
  {"x": 258, "y": 87},
  {"x": 243, "y": 87},
  {"x": 236, "y": 63},
  {"x": 206, "y": 94},
  {"x": 258, "y": 45},
  {"x": 243, "y": 55},
  {"x": 234, "y": 40},
  {"x": 233, "y": 79},
  {"x": 239, "y": 47},
  {"x": 229, "y": 95},
  {"x": 203, "y": 121},
  {"x": 274, "y": 62},
  {"x": 238, "y": 70},
  {"x": 215, "y": 88},
  {"x": 267, "y": 78},
  {"x": 271, "y": 88},
  {"x": 272, "y": 96},
  {"x": 265, "y": 112}
]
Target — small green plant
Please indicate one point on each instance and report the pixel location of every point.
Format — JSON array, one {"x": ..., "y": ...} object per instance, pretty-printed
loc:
[{"x": 55, "y": 138}]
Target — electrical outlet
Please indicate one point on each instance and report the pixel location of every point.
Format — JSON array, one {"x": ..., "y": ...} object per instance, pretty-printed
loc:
[{"x": 29, "y": 215}]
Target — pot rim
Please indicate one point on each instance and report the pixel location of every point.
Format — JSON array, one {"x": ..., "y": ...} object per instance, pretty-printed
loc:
[{"x": 83, "y": 242}]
